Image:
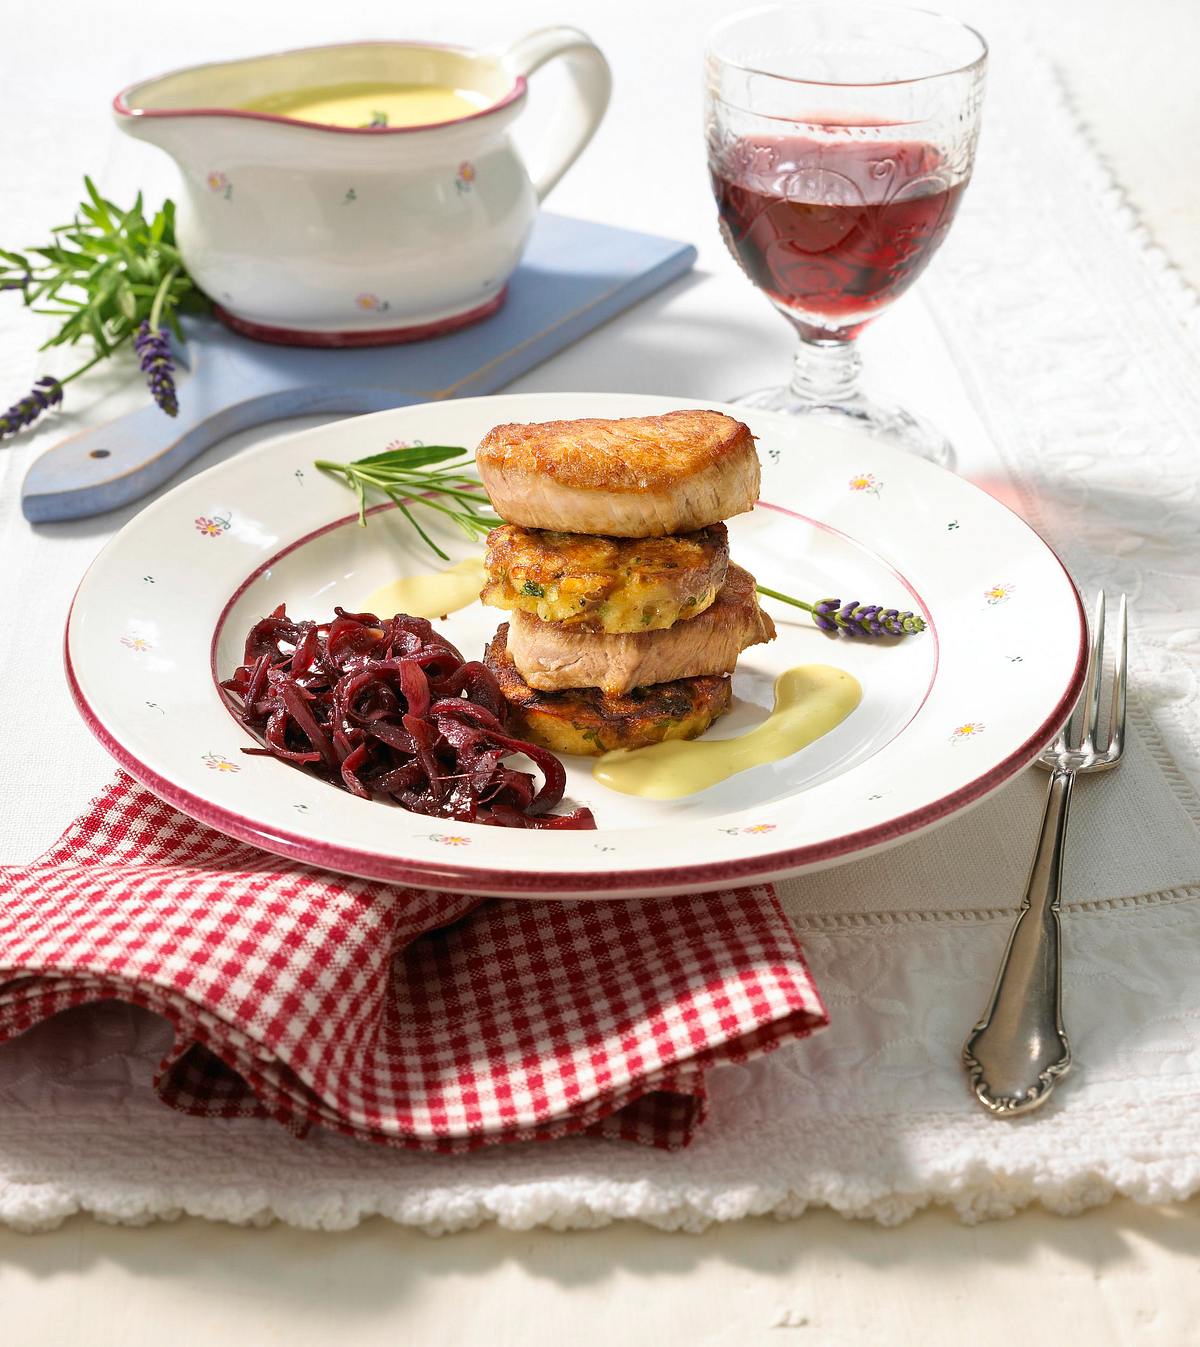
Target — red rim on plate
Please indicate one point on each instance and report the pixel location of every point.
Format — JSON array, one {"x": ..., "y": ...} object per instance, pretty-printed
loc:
[
  {"x": 522, "y": 882},
  {"x": 1024, "y": 659}
]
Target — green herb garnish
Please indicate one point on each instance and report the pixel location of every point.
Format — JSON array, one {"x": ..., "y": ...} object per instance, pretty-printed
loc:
[
  {"x": 109, "y": 274},
  {"x": 407, "y": 477}
]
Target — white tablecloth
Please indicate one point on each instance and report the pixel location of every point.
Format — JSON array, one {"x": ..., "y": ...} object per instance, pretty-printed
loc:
[{"x": 1072, "y": 369}]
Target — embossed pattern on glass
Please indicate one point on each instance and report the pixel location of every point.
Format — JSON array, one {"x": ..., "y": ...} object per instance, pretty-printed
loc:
[{"x": 840, "y": 141}]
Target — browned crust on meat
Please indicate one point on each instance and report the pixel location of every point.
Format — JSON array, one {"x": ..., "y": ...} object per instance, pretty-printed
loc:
[
  {"x": 599, "y": 584},
  {"x": 631, "y": 453},
  {"x": 586, "y": 722}
]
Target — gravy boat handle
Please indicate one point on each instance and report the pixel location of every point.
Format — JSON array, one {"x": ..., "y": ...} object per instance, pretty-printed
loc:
[{"x": 582, "y": 106}]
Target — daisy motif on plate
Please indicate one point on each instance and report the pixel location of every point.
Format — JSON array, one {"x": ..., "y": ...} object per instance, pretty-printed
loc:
[
  {"x": 212, "y": 526},
  {"x": 969, "y": 729},
  {"x": 219, "y": 762}
]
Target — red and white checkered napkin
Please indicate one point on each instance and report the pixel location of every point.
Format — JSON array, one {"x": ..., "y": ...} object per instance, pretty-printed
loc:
[{"x": 399, "y": 1015}]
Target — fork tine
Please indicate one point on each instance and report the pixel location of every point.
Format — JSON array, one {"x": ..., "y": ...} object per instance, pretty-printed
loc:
[
  {"x": 1090, "y": 701},
  {"x": 1116, "y": 716}
]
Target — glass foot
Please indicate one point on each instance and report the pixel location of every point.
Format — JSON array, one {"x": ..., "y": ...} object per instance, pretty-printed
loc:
[{"x": 888, "y": 421}]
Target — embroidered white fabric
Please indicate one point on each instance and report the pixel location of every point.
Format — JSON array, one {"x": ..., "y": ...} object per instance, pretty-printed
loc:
[{"x": 1078, "y": 346}]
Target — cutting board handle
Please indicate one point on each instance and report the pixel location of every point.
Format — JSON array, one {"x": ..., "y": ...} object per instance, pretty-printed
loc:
[{"x": 120, "y": 461}]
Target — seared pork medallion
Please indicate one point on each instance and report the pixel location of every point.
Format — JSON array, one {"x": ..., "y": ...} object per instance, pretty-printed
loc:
[
  {"x": 588, "y": 722},
  {"x": 628, "y": 616},
  {"x": 605, "y": 584},
  {"x": 551, "y": 656},
  {"x": 635, "y": 477}
]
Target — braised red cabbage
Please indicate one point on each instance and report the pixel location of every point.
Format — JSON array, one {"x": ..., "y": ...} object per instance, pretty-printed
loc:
[{"x": 389, "y": 709}]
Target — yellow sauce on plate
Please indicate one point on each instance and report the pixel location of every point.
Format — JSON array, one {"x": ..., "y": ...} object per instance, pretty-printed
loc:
[
  {"x": 371, "y": 103},
  {"x": 809, "y": 702},
  {"x": 433, "y": 595}
]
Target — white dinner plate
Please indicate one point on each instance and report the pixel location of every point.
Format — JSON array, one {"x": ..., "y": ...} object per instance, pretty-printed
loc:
[{"x": 946, "y": 716}]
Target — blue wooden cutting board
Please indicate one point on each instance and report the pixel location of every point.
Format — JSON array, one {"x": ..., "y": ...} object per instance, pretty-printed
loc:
[{"x": 575, "y": 275}]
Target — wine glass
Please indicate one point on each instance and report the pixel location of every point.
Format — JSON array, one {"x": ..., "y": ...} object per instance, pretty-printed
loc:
[{"x": 840, "y": 140}]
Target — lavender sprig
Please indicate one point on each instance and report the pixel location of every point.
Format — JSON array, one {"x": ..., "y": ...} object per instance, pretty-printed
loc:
[
  {"x": 854, "y": 619},
  {"x": 153, "y": 347},
  {"x": 114, "y": 278},
  {"x": 45, "y": 393}
]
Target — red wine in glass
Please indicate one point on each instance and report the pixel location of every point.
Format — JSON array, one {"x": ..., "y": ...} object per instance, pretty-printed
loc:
[{"x": 833, "y": 230}]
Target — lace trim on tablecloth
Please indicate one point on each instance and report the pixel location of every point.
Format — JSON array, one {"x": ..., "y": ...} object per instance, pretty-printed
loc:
[{"x": 1175, "y": 287}]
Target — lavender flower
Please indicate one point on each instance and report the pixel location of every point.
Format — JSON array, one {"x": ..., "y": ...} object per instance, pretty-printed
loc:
[
  {"x": 853, "y": 619},
  {"x": 153, "y": 347},
  {"x": 46, "y": 393}
]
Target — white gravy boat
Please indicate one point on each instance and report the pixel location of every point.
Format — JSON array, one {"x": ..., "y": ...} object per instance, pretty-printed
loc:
[{"x": 351, "y": 236}]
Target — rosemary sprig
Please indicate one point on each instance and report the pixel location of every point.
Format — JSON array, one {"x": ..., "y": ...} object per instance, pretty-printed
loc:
[
  {"x": 422, "y": 474},
  {"x": 408, "y": 476},
  {"x": 106, "y": 274}
]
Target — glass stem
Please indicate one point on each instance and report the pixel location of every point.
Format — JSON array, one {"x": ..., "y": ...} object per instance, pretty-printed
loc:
[{"x": 826, "y": 373}]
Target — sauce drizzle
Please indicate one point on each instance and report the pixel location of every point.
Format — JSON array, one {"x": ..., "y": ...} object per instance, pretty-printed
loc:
[
  {"x": 434, "y": 595},
  {"x": 810, "y": 701}
]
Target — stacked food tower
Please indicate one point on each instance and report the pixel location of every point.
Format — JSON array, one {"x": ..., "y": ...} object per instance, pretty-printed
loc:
[{"x": 627, "y": 614}]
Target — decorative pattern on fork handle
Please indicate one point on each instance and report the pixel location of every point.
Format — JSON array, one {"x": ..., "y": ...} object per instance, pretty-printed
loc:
[
  {"x": 1019, "y": 1049},
  {"x": 1017, "y": 1052}
]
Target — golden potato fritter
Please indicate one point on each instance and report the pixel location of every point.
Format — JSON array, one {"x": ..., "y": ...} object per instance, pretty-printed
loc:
[
  {"x": 634, "y": 477},
  {"x": 605, "y": 584},
  {"x": 551, "y": 656},
  {"x": 586, "y": 722}
]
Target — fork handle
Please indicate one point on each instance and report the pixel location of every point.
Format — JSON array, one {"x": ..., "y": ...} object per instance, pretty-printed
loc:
[{"x": 1018, "y": 1050}]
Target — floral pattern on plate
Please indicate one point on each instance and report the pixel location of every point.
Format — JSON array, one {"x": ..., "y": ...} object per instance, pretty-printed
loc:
[
  {"x": 219, "y": 762},
  {"x": 969, "y": 729},
  {"x": 918, "y": 708},
  {"x": 212, "y": 526}
]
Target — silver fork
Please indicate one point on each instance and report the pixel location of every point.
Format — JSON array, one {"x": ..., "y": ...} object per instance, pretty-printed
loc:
[{"x": 1018, "y": 1051}]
